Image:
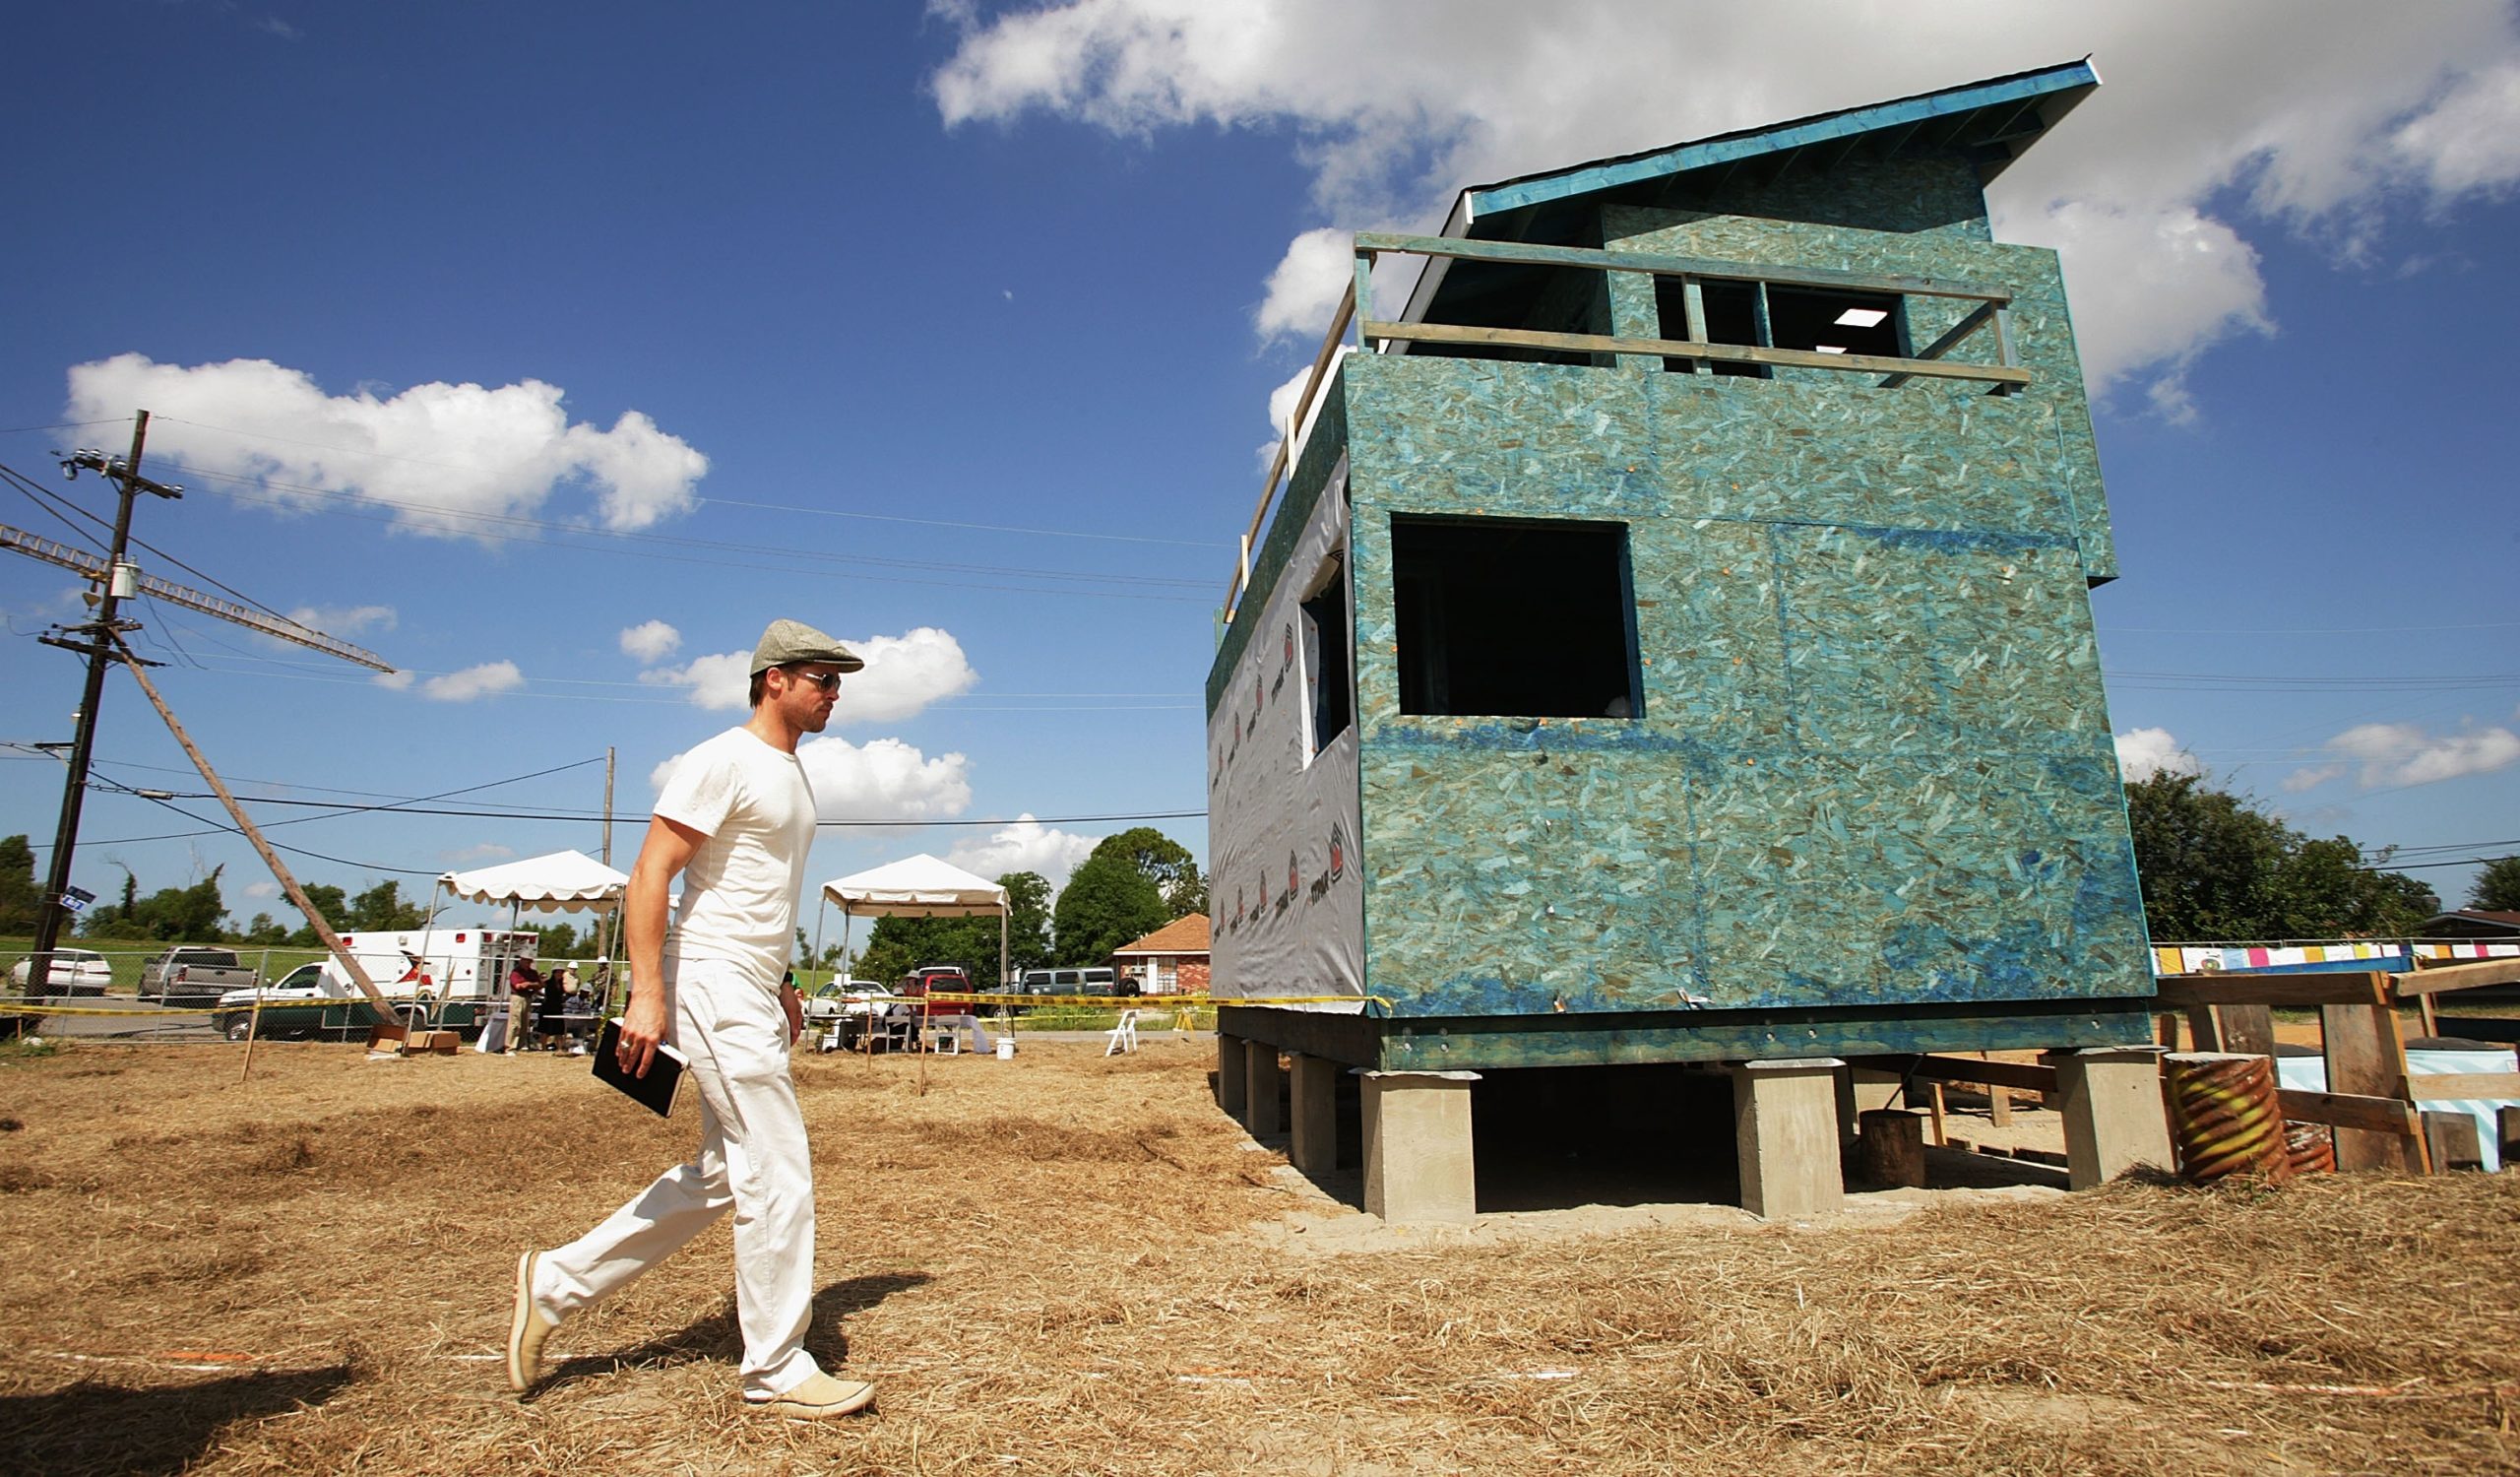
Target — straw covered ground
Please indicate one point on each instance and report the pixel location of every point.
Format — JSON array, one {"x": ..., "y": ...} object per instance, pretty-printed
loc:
[{"x": 1073, "y": 1263}]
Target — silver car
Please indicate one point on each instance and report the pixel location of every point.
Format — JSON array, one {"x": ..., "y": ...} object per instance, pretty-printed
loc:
[{"x": 73, "y": 972}]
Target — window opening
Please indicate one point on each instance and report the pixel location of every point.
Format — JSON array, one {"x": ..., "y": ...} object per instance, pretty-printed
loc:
[
  {"x": 1732, "y": 316},
  {"x": 1833, "y": 322},
  {"x": 1329, "y": 688},
  {"x": 1513, "y": 617}
]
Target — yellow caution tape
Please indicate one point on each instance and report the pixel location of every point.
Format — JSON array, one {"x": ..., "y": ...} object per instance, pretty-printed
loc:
[{"x": 1147, "y": 1002}]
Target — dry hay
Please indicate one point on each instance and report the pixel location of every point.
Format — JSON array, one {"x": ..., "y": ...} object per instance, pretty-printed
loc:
[{"x": 1049, "y": 1265}]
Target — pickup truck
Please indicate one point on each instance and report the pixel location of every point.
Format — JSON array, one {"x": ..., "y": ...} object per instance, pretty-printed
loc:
[{"x": 193, "y": 973}]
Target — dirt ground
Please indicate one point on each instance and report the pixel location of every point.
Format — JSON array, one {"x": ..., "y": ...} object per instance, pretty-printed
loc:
[{"x": 1073, "y": 1263}]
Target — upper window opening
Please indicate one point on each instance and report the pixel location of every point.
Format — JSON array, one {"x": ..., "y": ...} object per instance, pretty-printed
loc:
[
  {"x": 1732, "y": 315},
  {"x": 1509, "y": 618},
  {"x": 1329, "y": 689},
  {"x": 1500, "y": 294},
  {"x": 1833, "y": 322}
]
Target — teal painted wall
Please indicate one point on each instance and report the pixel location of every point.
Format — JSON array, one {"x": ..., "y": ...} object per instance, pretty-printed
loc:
[{"x": 1873, "y": 765}]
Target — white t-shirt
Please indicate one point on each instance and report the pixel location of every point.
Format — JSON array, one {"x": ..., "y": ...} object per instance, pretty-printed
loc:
[{"x": 739, "y": 889}]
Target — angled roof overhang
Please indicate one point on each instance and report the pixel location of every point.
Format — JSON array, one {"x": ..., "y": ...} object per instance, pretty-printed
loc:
[{"x": 1994, "y": 122}]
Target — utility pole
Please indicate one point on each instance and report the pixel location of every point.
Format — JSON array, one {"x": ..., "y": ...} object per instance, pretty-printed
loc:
[
  {"x": 100, "y": 647},
  {"x": 607, "y": 804}
]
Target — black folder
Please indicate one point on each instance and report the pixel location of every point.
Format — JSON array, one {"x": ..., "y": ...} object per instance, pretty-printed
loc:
[{"x": 656, "y": 1091}]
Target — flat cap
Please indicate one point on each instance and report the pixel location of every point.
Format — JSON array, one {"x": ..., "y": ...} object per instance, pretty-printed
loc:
[{"x": 788, "y": 641}]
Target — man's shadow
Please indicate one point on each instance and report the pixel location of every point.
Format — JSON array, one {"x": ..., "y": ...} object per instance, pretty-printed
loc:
[
  {"x": 717, "y": 1336},
  {"x": 95, "y": 1427}
]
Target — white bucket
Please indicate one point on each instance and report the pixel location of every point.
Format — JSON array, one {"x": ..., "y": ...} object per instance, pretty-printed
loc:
[{"x": 1006, "y": 1047}]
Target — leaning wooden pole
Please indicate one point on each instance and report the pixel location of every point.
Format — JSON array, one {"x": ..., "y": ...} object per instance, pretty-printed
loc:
[{"x": 388, "y": 1021}]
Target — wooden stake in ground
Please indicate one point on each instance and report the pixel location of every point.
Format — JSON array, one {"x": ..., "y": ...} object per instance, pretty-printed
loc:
[{"x": 389, "y": 1023}]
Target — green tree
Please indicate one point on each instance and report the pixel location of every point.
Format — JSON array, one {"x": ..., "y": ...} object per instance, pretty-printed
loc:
[
  {"x": 1028, "y": 919},
  {"x": 331, "y": 902},
  {"x": 264, "y": 931},
  {"x": 1109, "y": 901},
  {"x": 381, "y": 910},
  {"x": 174, "y": 914},
  {"x": 557, "y": 942},
  {"x": 2214, "y": 867},
  {"x": 1167, "y": 863},
  {"x": 2497, "y": 889},
  {"x": 21, "y": 898}
]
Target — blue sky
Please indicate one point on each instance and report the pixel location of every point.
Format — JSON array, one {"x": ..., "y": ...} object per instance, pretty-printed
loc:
[{"x": 550, "y": 351}]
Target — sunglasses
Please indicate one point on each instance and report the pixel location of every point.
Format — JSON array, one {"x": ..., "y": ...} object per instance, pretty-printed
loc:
[{"x": 829, "y": 682}]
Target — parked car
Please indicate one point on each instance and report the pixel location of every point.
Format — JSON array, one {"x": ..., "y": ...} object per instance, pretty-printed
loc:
[
  {"x": 73, "y": 972},
  {"x": 932, "y": 979},
  {"x": 847, "y": 1006},
  {"x": 193, "y": 973}
]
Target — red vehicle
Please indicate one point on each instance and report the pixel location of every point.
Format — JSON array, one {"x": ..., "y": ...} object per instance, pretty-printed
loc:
[{"x": 938, "y": 979}]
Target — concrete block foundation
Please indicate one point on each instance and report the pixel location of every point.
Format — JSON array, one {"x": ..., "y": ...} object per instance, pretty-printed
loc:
[
  {"x": 1313, "y": 1135},
  {"x": 1785, "y": 1129},
  {"x": 2112, "y": 1101},
  {"x": 1419, "y": 1165}
]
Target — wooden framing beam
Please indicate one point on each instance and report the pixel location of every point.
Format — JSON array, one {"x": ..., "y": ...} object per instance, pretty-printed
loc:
[
  {"x": 1281, "y": 464},
  {"x": 1979, "y": 317},
  {"x": 2441, "y": 977},
  {"x": 2310, "y": 988},
  {"x": 1675, "y": 266},
  {"x": 2027, "y": 1076},
  {"x": 2461, "y": 1087},
  {"x": 2344, "y": 1110},
  {"x": 1589, "y": 344}
]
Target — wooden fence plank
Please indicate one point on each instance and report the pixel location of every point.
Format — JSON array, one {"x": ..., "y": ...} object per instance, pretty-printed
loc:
[
  {"x": 2308, "y": 988},
  {"x": 2346, "y": 1111},
  {"x": 2462, "y": 1087},
  {"x": 2459, "y": 976},
  {"x": 1681, "y": 348},
  {"x": 2365, "y": 1058}
]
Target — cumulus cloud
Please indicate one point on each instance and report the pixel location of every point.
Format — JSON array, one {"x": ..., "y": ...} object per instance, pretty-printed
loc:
[
  {"x": 2307, "y": 132},
  {"x": 2310, "y": 778},
  {"x": 472, "y": 682},
  {"x": 1025, "y": 846},
  {"x": 2403, "y": 753},
  {"x": 904, "y": 673},
  {"x": 488, "y": 851},
  {"x": 883, "y": 779},
  {"x": 262, "y": 889},
  {"x": 395, "y": 682},
  {"x": 2143, "y": 754},
  {"x": 650, "y": 640},
  {"x": 442, "y": 455},
  {"x": 346, "y": 620}
]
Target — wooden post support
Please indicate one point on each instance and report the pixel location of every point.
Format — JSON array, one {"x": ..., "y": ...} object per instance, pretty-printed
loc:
[
  {"x": 1784, "y": 1136},
  {"x": 271, "y": 859},
  {"x": 2453, "y": 1141},
  {"x": 2112, "y": 1099},
  {"x": 2366, "y": 1058},
  {"x": 1890, "y": 1151},
  {"x": 1263, "y": 1085},
  {"x": 1231, "y": 1083}
]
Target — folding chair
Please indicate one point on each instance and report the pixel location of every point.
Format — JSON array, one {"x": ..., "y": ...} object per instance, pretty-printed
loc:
[{"x": 1124, "y": 1036}]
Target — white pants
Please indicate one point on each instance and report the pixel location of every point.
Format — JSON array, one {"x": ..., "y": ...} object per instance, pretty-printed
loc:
[{"x": 753, "y": 1156}]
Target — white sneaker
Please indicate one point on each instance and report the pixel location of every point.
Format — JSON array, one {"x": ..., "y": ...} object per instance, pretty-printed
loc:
[{"x": 527, "y": 1327}]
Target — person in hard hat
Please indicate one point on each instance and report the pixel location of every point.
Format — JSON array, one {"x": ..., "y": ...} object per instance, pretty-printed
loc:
[{"x": 736, "y": 820}]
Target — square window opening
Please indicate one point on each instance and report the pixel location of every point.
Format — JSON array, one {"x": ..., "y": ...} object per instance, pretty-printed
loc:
[
  {"x": 1732, "y": 316},
  {"x": 1328, "y": 673},
  {"x": 1514, "y": 618},
  {"x": 1833, "y": 322}
]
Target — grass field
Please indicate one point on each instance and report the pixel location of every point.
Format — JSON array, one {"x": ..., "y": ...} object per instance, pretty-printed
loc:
[{"x": 1069, "y": 1262}]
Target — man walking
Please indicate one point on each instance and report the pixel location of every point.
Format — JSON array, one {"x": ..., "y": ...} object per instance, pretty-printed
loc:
[{"x": 736, "y": 820}]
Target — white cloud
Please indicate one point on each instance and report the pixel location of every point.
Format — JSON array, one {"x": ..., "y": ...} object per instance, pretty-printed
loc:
[
  {"x": 904, "y": 673},
  {"x": 472, "y": 682},
  {"x": 2403, "y": 753},
  {"x": 1025, "y": 846},
  {"x": 714, "y": 681},
  {"x": 1307, "y": 285},
  {"x": 346, "y": 620},
  {"x": 650, "y": 640},
  {"x": 488, "y": 851},
  {"x": 393, "y": 682},
  {"x": 2310, "y": 778},
  {"x": 2145, "y": 752},
  {"x": 439, "y": 452},
  {"x": 2285, "y": 115},
  {"x": 883, "y": 780},
  {"x": 262, "y": 889}
]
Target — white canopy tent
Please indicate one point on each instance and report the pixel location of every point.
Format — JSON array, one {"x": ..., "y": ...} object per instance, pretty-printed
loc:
[
  {"x": 919, "y": 886},
  {"x": 571, "y": 881}
]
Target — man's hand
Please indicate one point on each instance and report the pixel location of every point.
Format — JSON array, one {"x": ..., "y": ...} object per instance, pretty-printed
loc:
[
  {"x": 643, "y": 1028},
  {"x": 794, "y": 1005}
]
